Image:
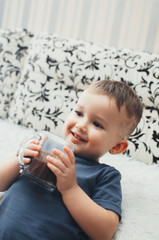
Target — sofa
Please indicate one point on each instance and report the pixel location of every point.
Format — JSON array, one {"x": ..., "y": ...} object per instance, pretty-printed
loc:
[{"x": 41, "y": 77}]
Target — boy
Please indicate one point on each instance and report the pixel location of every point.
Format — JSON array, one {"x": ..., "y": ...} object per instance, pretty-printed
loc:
[{"x": 87, "y": 201}]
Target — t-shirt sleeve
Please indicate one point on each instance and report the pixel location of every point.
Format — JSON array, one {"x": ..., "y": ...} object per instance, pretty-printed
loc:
[{"x": 107, "y": 192}]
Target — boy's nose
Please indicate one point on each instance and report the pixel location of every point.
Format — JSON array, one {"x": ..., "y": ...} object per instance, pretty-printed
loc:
[{"x": 82, "y": 125}]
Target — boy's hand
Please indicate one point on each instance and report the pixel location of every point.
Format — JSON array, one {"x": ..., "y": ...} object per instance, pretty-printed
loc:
[
  {"x": 63, "y": 168},
  {"x": 32, "y": 150}
]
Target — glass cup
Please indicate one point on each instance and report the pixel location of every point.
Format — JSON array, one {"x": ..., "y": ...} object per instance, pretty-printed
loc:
[{"x": 37, "y": 169}]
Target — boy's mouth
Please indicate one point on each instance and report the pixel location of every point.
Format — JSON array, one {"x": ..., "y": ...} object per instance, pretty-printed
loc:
[{"x": 78, "y": 137}]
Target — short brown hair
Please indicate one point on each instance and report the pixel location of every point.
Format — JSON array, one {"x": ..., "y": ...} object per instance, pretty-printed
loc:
[{"x": 124, "y": 96}]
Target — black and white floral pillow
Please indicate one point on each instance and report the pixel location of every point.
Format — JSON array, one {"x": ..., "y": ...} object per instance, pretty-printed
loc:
[
  {"x": 55, "y": 73},
  {"x": 13, "y": 50},
  {"x": 144, "y": 141},
  {"x": 58, "y": 69}
]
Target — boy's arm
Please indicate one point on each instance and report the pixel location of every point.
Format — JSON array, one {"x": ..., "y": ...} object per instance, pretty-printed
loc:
[
  {"x": 96, "y": 222},
  {"x": 9, "y": 170}
]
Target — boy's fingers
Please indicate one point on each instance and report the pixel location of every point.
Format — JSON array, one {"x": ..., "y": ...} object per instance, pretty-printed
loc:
[
  {"x": 62, "y": 156},
  {"x": 26, "y": 160},
  {"x": 56, "y": 163},
  {"x": 70, "y": 154},
  {"x": 54, "y": 169},
  {"x": 30, "y": 153},
  {"x": 35, "y": 141},
  {"x": 33, "y": 147}
]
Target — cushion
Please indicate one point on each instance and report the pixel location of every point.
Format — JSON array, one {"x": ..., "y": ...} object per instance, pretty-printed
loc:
[
  {"x": 144, "y": 141},
  {"x": 13, "y": 49},
  {"x": 58, "y": 69},
  {"x": 140, "y": 70}
]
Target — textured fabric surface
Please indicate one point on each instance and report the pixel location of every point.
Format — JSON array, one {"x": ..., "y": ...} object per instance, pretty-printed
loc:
[
  {"x": 58, "y": 69},
  {"x": 13, "y": 50}
]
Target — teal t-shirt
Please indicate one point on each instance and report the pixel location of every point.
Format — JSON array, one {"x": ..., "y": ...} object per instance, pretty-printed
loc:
[{"x": 30, "y": 212}]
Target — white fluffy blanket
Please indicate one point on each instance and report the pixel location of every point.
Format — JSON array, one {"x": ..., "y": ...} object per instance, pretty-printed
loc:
[{"x": 139, "y": 185}]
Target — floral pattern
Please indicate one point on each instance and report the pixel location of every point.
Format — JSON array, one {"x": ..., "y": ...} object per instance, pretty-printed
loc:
[
  {"x": 13, "y": 50},
  {"x": 58, "y": 69}
]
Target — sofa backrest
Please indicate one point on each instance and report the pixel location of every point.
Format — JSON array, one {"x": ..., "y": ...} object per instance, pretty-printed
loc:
[{"x": 58, "y": 69}]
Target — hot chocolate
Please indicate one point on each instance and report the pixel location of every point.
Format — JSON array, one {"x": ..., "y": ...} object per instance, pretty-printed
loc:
[{"x": 38, "y": 168}]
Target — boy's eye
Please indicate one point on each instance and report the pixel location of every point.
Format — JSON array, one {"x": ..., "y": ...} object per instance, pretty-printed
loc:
[
  {"x": 78, "y": 113},
  {"x": 98, "y": 125}
]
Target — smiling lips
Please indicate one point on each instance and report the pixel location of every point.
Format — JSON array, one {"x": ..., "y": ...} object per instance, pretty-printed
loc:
[{"x": 78, "y": 137}]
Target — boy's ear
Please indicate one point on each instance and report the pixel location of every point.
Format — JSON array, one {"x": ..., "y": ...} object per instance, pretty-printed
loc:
[{"x": 120, "y": 147}]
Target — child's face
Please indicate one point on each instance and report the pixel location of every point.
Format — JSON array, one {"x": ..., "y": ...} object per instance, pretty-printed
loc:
[{"x": 94, "y": 125}]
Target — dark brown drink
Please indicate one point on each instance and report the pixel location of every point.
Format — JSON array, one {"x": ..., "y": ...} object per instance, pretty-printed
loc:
[{"x": 38, "y": 168}]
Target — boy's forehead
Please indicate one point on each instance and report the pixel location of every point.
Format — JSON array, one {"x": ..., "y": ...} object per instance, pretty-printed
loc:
[
  {"x": 94, "y": 96},
  {"x": 96, "y": 102}
]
